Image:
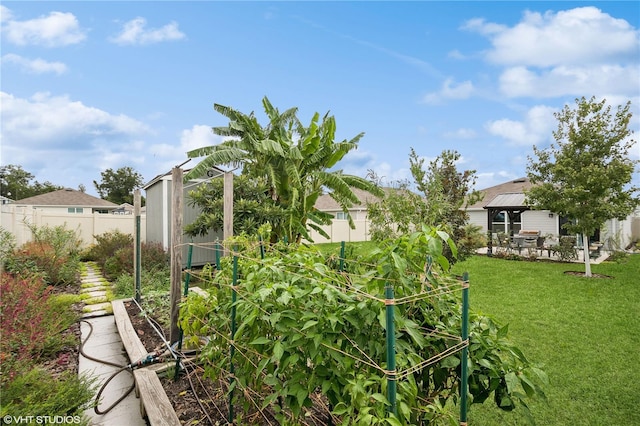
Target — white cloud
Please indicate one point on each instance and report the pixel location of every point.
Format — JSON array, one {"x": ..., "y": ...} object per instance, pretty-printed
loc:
[
  {"x": 5, "y": 14},
  {"x": 53, "y": 30},
  {"x": 461, "y": 133},
  {"x": 450, "y": 90},
  {"x": 35, "y": 66},
  {"x": 134, "y": 32},
  {"x": 537, "y": 127},
  {"x": 197, "y": 137},
  {"x": 566, "y": 80},
  {"x": 583, "y": 35},
  {"x": 45, "y": 121}
]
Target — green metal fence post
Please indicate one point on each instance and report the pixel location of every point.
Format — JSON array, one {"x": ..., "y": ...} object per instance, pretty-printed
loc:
[
  {"x": 232, "y": 348},
  {"x": 341, "y": 267},
  {"x": 187, "y": 278},
  {"x": 261, "y": 247},
  {"x": 218, "y": 256},
  {"x": 391, "y": 350},
  {"x": 464, "y": 387}
]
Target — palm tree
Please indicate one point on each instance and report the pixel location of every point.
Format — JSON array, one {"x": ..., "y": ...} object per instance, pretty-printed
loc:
[{"x": 295, "y": 160}]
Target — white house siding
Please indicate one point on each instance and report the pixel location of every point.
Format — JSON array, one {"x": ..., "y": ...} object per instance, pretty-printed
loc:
[
  {"x": 618, "y": 234},
  {"x": 539, "y": 220},
  {"x": 478, "y": 218}
]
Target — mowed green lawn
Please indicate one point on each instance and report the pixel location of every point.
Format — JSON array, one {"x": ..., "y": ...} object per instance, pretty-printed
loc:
[{"x": 585, "y": 333}]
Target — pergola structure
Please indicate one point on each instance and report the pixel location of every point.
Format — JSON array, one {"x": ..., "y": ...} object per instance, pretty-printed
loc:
[{"x": 511, "y": 203}]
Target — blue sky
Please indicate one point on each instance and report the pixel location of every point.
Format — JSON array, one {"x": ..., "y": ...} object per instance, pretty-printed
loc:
[{"x": 88, "y": 86}]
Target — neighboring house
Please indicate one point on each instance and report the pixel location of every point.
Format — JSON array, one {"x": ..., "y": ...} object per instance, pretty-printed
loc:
[
  {"x": 67, "y": 200},
  {"x": 158, "y": 213},
  {"x": 503, "y": 209},
  {"x": 75, "y": 210},
  {"x": 340, "y": 230},
  {"x": 5, "y": 200}
]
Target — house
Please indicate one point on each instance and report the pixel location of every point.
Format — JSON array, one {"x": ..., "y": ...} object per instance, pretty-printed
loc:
[
  {"x": 158, "y": 215},
  {"x": 340, "y": 230},
  {"x": 67, "y": 200},
  {"x": 503, "y": 209},
  {"x": 5, "y": 200},
  {"x": 73, "y": 209}
]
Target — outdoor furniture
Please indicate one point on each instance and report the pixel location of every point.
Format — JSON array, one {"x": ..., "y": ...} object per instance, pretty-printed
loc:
[{"x": 526, "y": 239}]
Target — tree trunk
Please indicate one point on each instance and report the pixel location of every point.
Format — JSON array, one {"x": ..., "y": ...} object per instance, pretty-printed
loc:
[{"x": 587, "y": 260}]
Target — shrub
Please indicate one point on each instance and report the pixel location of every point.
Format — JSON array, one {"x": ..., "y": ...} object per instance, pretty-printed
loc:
[
  {"x": 107, "y": 245},
  {"x": 114, "y": 255},
  {"x": 307, "y": 328},
  {"x": 37, "y": 393},
  {"x": 7, "y": 245},
  {"x": 32, "y": 321}
]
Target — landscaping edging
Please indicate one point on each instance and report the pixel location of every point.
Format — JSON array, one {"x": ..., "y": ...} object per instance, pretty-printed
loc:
[{"x": 154, "y": 403}]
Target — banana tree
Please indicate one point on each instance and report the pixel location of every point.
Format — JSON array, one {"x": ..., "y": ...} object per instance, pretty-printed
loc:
[{"x": 298, "y": 163}]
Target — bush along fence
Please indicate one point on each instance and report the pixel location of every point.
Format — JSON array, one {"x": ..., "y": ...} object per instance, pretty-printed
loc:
[{"x": 383, "y": 339}]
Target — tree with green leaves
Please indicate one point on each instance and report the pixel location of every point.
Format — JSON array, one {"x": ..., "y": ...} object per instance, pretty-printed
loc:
[
  {"x": 15, "y": 183},
  {"x": 252, "y": 206},
  {"x": 441, "y": 193},
  {"x": 296, "y": 162},
  {"x": 586, "y": 175},
  {"x": 117, "y": 185}
]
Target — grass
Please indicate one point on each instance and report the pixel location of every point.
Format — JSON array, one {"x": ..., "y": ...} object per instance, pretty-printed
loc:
[
  {"x": 583, "y": 332},
  {"x": 352, "y": 249}
]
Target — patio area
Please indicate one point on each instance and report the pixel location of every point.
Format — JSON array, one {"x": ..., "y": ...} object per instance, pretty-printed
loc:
[{"x": 545, "y": 254}]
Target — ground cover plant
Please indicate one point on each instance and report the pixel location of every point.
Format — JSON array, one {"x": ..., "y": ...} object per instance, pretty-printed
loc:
[
  {"x": 584, "y": 332},
  {"x": 40, "y": 338},
  {"x": 309, "y": 334}
]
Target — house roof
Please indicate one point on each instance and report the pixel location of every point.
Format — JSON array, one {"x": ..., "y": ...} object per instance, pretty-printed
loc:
[
  {"x": 507, "y": 191},
  {"x": 326, "y": 203},
  {"x": 507, "y": 200},
  {"x": 66, "y": 197}
]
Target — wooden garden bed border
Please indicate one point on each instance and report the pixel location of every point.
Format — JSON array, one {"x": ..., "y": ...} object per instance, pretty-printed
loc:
[{"x": 154, "y": 403}]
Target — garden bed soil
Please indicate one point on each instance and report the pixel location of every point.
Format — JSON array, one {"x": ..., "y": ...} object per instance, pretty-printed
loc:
[{"x": 192, "y": 389}]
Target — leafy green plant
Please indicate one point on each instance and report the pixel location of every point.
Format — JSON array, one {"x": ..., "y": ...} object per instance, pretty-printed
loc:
[
  {"x": 106, "y": 246},
  {"x": 52, "y": 254},
  {"x": 38, "y": 393},
  {"x": 306, "y": 329}
]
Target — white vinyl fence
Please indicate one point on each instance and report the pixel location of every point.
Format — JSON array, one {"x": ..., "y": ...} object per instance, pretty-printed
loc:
[{"x": 16, "y": 220}]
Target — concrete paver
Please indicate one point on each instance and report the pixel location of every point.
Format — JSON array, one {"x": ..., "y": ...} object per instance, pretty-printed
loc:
[{"x": 104, "y": 343}]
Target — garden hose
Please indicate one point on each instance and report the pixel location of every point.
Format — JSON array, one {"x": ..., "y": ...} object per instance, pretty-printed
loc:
[{"x": 147, "y": 360}]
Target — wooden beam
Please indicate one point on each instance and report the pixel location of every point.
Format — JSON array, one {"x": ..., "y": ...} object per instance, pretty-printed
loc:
[
  {"x": 176, "y": 250},
  {"x": 228, "y": 206},
  {"x": 137, "y": 203}
]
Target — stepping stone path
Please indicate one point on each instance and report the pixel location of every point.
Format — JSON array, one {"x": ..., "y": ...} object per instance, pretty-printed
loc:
[
  {"x": 104, "y": 343},
  {"x": 95, "y": 290}
]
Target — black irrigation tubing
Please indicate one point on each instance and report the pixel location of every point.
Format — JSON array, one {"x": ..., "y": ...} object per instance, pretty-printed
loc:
[{"x": 121, "y": 368}]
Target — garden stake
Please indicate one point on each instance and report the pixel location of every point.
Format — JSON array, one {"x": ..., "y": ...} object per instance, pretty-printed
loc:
[
  {"x": 232, "y": 348},
  {"x": 465, "y": 350},
  {"x": 218, "y": 257},
  {"x": 340, "y": 268},
  {"x": 261, "y": 247},
  {"x": 187, "y": 278},
  {"x": 391, "y": 350}
]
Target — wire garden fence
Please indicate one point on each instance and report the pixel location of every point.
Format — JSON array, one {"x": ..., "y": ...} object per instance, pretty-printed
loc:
[{"x": 303, "y": 338}]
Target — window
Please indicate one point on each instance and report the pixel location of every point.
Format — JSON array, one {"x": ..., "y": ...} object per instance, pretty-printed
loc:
[
  {"x": 500, "y": 222},
  {"x": 341, "y": 216},
  {"x": 75, "y": 210}
]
